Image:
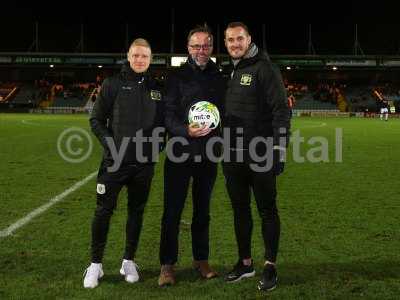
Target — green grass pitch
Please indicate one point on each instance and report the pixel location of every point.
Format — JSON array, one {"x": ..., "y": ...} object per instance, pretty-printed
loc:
[{"x": 340, "y": 221}]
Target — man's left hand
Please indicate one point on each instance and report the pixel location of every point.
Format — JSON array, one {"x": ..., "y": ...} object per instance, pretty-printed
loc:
[{"x": 279, "y": 161}]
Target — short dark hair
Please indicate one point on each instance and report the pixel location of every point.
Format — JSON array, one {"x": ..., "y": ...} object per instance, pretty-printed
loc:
[
  {"x": 238, "y": 24},
  {"x": 201, "y": 28}
]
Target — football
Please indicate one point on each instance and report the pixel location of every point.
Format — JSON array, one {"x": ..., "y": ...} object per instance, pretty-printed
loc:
[{"x": 204, "y": 113}]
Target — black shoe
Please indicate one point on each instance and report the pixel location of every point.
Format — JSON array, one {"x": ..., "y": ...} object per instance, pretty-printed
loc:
[
  {"x": 240, "y": 271},
  {"x": 269, "y": 278}
]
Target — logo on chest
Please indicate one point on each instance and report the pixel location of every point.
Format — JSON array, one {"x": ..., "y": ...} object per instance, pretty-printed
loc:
[
  {"x": 155, "y": 95},
  {"x": 245, "y": 79}
]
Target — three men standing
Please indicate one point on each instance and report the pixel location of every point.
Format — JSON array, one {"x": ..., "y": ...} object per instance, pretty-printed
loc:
[{"x": 254, "y": 107}]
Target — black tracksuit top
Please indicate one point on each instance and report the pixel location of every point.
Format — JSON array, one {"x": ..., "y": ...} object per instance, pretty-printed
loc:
[{"x": 127, "y": 103}]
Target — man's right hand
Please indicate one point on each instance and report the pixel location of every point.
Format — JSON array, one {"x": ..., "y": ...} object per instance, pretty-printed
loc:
[{"x": 195, "y": 131}]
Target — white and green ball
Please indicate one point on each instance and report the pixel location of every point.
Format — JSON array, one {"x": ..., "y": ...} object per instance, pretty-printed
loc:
[{"x": 204, "y": 113}]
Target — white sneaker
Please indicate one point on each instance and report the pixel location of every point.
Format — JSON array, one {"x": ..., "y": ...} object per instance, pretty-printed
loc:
[
  {"x": 129, "y": 270},
  {"x": 92, "y": 275}
]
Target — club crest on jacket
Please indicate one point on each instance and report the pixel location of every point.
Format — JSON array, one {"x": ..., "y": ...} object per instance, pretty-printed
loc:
[
  {"x": 246, "y": 79},
  {"x": 155, "y": 95}
]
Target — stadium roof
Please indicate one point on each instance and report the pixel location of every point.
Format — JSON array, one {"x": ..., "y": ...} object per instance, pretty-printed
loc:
[{"x": 282, "y": 30}]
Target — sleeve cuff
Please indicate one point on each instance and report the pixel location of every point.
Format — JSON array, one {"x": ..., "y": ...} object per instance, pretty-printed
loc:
[{"x": 276, "y": 147}]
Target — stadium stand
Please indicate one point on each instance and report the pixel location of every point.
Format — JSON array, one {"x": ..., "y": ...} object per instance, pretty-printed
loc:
[{"x": 26, "y": 94}]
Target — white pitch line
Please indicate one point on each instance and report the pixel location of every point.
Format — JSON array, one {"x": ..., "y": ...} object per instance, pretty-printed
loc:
[
  {"x": 313, "y": 126},
  {"x": 38, "y": 211},
  {"x": 29, "y": 122}
]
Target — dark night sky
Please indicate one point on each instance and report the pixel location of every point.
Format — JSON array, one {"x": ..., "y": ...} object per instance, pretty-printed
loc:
[{"x": 286, "y": 28}]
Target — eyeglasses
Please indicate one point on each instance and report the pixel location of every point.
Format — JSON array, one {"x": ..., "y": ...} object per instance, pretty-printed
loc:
[{"x": 198, "y": 47}]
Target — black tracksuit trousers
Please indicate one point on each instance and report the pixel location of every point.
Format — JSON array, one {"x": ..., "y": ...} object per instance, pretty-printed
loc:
[
  {"x": 138, "y": 179},
  {"x": 240, "y": 180},
  {"x": 176, "y": 184}
]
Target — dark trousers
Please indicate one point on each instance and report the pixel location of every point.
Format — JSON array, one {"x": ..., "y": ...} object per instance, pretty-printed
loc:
[
  {"x": 176, "y": 184},
  {"x": 240, "y": 180},
  {"x": 138, "y": 179}
]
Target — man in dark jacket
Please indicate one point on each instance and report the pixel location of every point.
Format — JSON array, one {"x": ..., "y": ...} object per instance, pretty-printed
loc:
[
  {"x": 127, "y": 119},
  {"x": 256, "y": 111},
  {"x": 197, "y": 80}
]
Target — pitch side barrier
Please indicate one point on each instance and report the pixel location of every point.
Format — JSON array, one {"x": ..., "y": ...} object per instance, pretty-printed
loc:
[
  {"x": 60, "y": 110},
  {"x": 296, "y": 112},
  {"x": 338, "y": 114}
]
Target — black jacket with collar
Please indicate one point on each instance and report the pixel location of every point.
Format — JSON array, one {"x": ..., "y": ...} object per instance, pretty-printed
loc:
[
  {"x": 127, "y": 103},
  {"x": 256, "y": 100},
  {"x": 184, "y": 87}
]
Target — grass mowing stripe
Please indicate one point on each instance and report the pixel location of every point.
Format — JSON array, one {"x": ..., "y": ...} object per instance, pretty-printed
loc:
[{"x": 38, "y": 211}]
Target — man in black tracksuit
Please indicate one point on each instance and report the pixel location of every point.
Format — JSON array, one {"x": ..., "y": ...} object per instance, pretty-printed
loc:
[
  {"x": 197, "y": 80},
  {"x": 129, "y": 105},
  {"x": 255, "y": 109}
]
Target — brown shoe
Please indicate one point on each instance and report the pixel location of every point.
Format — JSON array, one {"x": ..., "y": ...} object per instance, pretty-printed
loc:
[
  {"x": 167, "y": 275},
  {"x": 204, "y": 269}
]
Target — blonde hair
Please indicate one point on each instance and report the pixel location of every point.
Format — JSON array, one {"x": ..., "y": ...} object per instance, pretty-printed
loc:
[{"x": 139, "y": 42}]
